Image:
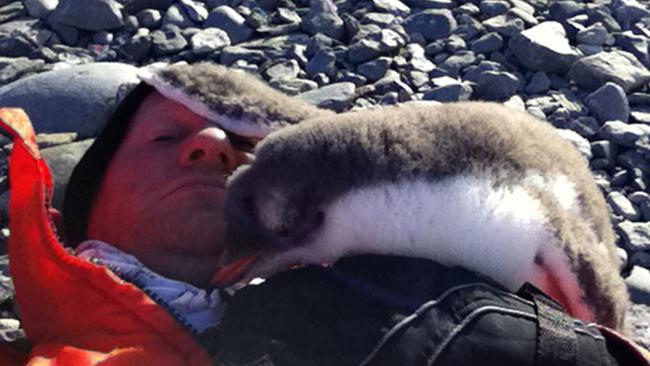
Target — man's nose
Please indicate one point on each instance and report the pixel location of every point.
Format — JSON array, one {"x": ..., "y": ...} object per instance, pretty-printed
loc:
[{"x": 209, "y": 146}]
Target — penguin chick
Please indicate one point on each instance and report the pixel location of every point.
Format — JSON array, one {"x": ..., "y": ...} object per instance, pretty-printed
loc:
[{"x": 472, "y": 184}]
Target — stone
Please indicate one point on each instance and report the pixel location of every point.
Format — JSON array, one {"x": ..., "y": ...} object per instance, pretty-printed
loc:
[
  {"x": 491, "y": 8},
  {"x": 638, "y": 285},
  {"x": 356, "y": 79},
  {"x": 639, "y": 99},
  {"x": 134, "y": 6},
  {"x": 323, "y": 18},
  {"x": 629, "y": 12},
  {"x": 643, "y": 146},
  {"x": 40, "y": 8},
  {"x": 488, "y": 43},
  {"x": 619, "y": 67},
  {"x": 195, "y": 10},
  {"x": 176, "y": 15},
  {"x": 81, "y": 98},
  {"x": 454, "y": 63},
  {"x": 621, "y": 133},
  {"x": 455, "y": 43},
  {"x": 562, "y": 10},
  {"x": 375, "y": 69},
  {"x": 231, "y": 54},
  {"x": 392, "y": 82},
  {"x": 528, "y": 18},
  {"x": 636, "y": 45},
  {"x": 622, "y": 206},
  {"x": 622, "y": 258},
  {"x": 381, "y": 19},
  {"x": 324, "y": 61},
  {"x": 605, "y": 150},
  {"x": 539, "y": 83},
  {"x": 209, "y": 40},
  {"x": 393, "y": 7},
  {"x": 62, "y": 159},
  {"x": 642, "y": 200},
  {"x": 449, "y": 93},
  {"x": 473, "y": 73},
  {"x": 469, "y": 29},
  {"x": 135, "y": 48},
  {"x": 506, "y": 25},
  {"x": 46, "y": 140},
  {"x": 608, "y": 103},
  {"x": 337, "y": 96},
  {"x": 604, "y": 17},
  {"x": 11, "y": 11},
  {"x": 103, "y": 37},
  {"x": 595, "y": 35},
  {"x": 228, "y": 20},
  {"x": 588, "y": 50},
  {"x": 283, "y": 69},
  {"x": 12, "y": 69},
  {"x": 635, "y": 235},
  {"x": 469, "y": 9},
  {"x": 432, "y": 24},
  {"x": 580, "y": 143},
  {"x": 91, "y": 15},
  {"x": 374, "y": 45},
  {"x": 544, "y": 48},
  {"x": 168, "y": 40},
  {"x": 293, "y": 86},
  {"x": 496, "y": 85},
  {"x": 150, "y": 18},
  {"x": 640, "y": 114},
  {"x": 633, "y": 160}
]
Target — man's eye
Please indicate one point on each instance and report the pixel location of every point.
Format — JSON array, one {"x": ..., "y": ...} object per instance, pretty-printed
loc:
[
  {"x": 163, "y": 138},
  {"x": 241, "y": 143}
]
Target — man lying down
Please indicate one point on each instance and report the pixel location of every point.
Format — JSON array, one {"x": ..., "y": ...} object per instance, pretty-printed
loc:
[{"x": 152, "y": 219}]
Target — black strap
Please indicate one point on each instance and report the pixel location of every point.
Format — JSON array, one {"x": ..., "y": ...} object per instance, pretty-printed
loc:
[{"x": 557, "y": 342}]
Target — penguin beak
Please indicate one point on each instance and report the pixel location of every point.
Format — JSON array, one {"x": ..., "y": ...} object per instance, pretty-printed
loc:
[{"x": 234, "y": 271}]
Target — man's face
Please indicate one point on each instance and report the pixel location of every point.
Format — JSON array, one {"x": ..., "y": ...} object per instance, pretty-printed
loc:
[{"x": 161, "y": 198}]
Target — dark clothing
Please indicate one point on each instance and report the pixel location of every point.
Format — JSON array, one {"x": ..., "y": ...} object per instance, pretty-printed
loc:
[{"x": 316, "y": 316}]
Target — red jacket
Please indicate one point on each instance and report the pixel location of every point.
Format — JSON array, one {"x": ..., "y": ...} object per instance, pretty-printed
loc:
[{"x": 75, "y": 312}]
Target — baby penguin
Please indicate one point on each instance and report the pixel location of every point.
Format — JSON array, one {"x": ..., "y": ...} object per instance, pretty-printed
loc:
[{"x": 472, "y": 184}]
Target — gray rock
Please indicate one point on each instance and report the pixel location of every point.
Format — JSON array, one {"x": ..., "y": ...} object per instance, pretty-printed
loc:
[
  {"x": 633, "y": 160},
  {"x": 623, "y": 207},
  {"x": 636, "y": 45},
  {"x": 635, "y": 235},
  {"x": 496, "y": 85},
  {"x": 168, "y": 40},
  {"x": 609, "y": 103},
  {"x": 62, "y": 160},
  {"x": 469, "y": 9},
  {"x": 638, "y": 285},
  {"x": 539, "y": 83},
  {"x": 11, "y": 11},
  {"x": 374, "y": 45},
  {"x": 469, "y": 29},
  {"x": 629, "y": 12},
  {"x": 103, "y": 37},
  {"x": 473, "y": 73},
  {"x": 375, "y": 69},
  {"x": 455, "y": 43},
  {"x": 432, "y": 24},
  {"x": 619, "y": 67},
  {"x": 195, "y": 10},
  {"x": 337, "y": 96},
  {"x": 150, "y": 18},
  {"x": 47, "y": 140},
  {"x": 605, "y": 150},
  {"x": 227, "y": 19},
  {"x": 393, "y": 7},
  {"x": 392, "y": 83},
  {"x": 488, "y": 43},
  {"x": 231, "y": 54},
  {"x": 449, "y": 93},
  {"x": 562, "y": 10},
  {"x": 621, "y": 133},
  {"x": 12, "y": 69},
  {"x": 623, "y": 259},
  {"x": 381, "y": 19},
  {"x": 176, "y": 15},
  {"x": 293, "y": 86},
  {"x": 454, "y": 63},
  {"x": 580, "y": 143},
  {"x": 209, "y": 40},
  {"x": 92, "y": 15},
  {"x": 636, "y": 99},
  {"x": 135, "y": 48},
  {"x": 76, "y": 99},
  {"x": 585, "y": 126},
  {"x": 282, "y": 69},
  {"x": 507, "y": 25},
  {"x": 356, "y": 79},
  {"x": 15, "y": 45},
  {"x": 528, "y": 18},
  {"x": 323, "y": 18},
  {"x": 491, "y": 8},
  {"x": 640, "y": 259},
  {"x": 642, "y": 200},
  {"x": 588, "y": 50},
  {"x": 595, "y": 35},
  {"x": 640, "y": 114},
  {"x": 643, "y": 146},
  {"x": 536, "y": 112},
  {"x": 544, "y": 47},
  {"x": 324, "y": 61},
  {"x": 68, "y": 34},
  {"x": 134, "y": 6},
  {"x": 40, "y": 8}
]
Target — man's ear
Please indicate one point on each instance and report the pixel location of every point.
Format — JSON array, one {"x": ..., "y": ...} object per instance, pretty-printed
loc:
[{"x": 56, "y": 218}]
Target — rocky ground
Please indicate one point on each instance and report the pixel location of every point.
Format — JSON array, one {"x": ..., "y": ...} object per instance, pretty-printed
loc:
[{"x": 582, "y": 66}]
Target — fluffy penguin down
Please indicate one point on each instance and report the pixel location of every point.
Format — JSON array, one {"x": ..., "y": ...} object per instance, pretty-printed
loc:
[{"x": 466, "y": 220}]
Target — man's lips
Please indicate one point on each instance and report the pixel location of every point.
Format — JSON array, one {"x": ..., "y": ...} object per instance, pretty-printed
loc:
[{"x": 216, "y": 185}]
